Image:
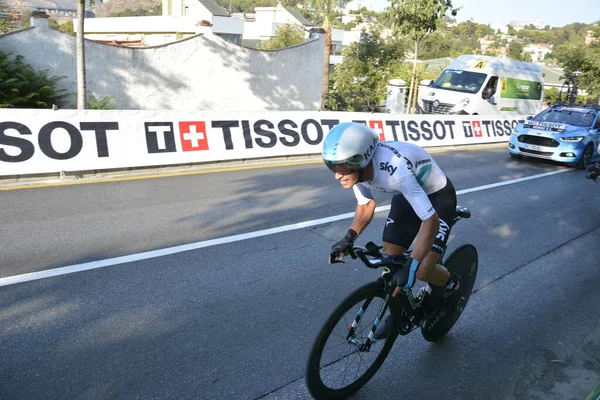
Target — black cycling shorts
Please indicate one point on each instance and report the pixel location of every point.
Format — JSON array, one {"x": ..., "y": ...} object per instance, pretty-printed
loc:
[{"x": 403, "y": 224}]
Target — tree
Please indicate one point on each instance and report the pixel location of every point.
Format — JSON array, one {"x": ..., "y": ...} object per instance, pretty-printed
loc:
[
  {"x": 11, "y": 19},
  {"x": 81, "y": 85},
  {"x": 370, "y": 64},
  {"x": 65, "y": 27},
  {"x": 247, "y": 6},
  {"x": 515, "y": 50},
  {"x": 436, "y": 45},
  {"x": 23, "y": 87},
  {"x": 327, "y": 10},
  {"x": 416, "y": 19},
  {"x": 582, "y": 58},
  {"x": 285, "y": 36},
  {"x": 140, "y": 12}
]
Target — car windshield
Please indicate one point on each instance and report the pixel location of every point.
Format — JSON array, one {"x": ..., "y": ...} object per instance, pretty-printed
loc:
[
  {"x": 460, "y": 81},
  {"x": 568, "y": 117}
]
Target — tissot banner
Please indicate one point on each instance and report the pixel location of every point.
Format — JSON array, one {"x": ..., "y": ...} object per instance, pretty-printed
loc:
[{"x": 44, "y": 141}]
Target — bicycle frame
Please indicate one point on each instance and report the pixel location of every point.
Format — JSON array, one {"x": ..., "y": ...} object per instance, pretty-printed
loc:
[{"x": 405, "y": 302}]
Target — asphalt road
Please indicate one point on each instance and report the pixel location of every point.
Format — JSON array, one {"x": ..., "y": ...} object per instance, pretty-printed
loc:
[{"x": 236, "y": 320}]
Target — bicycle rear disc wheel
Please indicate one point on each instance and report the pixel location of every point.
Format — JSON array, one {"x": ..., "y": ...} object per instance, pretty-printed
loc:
[
  {"x": 463, "y": 261},
  {"x": 337, "y": 366}
]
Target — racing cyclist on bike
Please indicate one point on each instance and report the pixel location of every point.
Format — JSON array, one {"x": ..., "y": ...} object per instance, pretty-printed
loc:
[{"x": 423, "y": 204}]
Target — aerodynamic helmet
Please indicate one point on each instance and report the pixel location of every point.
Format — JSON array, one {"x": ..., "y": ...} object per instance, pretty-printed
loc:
[{"x": 349, "y": 144}]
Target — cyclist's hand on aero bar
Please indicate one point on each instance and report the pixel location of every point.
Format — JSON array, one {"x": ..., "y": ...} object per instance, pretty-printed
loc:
[{"x": 341, "y": 248}]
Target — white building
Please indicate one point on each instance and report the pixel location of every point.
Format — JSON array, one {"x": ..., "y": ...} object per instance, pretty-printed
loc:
[
  {"x": 263, "y": 24},
  {"x": 499, "y": 28},
  {"x": 519, "y": 24},
  {"x": 341, "y": 39},
  {"x": 180, "y": 19},
  {"x": 356, "y": 5},
  {"x": 538, "y": 51}
]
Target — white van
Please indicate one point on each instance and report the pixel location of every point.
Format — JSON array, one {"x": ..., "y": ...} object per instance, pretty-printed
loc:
[{"x": 474, "y": 84}]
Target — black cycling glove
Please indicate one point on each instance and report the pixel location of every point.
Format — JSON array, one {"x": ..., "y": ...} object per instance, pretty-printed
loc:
[{"x": 344, "y": 245}]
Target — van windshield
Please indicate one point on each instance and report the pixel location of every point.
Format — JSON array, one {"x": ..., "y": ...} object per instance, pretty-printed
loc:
[{"x": 460, "y": 81}]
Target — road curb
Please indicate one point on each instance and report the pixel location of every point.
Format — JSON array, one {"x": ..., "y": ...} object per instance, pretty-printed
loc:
[{"x": 100, "y": 176}]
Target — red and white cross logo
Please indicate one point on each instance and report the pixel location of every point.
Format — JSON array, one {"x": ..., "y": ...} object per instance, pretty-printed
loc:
[
  {"x": 377, "y": 126},
  {"x": 477, "y": 131},
  {"x": 193, "y": 136}
]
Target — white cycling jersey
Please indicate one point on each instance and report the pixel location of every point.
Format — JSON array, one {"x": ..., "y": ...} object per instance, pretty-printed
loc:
[{"x": 406, "y": 168}]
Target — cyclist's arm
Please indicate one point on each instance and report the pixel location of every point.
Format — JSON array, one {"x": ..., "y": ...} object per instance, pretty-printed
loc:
[
  {"x": 363, "y": 216},
  {"x": 426, "y": 237},
  {"x": 365, "y": 209}
]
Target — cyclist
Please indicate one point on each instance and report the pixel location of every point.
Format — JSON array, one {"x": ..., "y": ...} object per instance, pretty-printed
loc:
[{"x": 423, "y": 203}]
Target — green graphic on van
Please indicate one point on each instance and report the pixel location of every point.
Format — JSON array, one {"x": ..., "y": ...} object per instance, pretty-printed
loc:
[{"x": 521, "y": 89}]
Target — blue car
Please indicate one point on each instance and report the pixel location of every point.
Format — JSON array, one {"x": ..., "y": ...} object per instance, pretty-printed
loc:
[{"x": 560, "y": 133}]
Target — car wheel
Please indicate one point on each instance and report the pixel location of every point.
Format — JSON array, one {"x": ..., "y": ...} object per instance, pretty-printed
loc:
[
  {"x": 586, "y": 157},
  {"x": 515, "y": 156}
]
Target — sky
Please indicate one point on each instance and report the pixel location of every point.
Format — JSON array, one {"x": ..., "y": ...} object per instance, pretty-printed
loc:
[{"x": 555, "y": 13}]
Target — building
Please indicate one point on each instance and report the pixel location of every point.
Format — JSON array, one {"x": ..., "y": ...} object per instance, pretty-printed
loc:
[
  {"x": 485, "y": 43},
  {"x": 538, "y": 51},
  {"x": 499, "y": 28},
  {"x": 520, "y": 24},
  {"x": 180, "y": 19},
  {"x": 355, "y": 5},
  {"x": 263, "y": 23},
  {"x": 590, "y": 38},
  {"x": 340, "y": 39}
]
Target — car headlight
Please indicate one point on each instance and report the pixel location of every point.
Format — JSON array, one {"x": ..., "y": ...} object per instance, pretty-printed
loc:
[
  {"x": 572, "y": 139},
  {"x": 461, "y": 105},
  {"x": 515, "y": 132}
]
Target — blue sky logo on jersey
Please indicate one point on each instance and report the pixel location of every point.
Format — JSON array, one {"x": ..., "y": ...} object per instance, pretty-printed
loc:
[{"x": 389, "y": 168}]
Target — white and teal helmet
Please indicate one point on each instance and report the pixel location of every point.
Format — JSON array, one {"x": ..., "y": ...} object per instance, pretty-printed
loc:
[{"x": 349, "y": 144}]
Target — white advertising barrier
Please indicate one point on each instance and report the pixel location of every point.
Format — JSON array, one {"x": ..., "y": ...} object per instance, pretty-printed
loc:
[{"x": 46, "y": 141}]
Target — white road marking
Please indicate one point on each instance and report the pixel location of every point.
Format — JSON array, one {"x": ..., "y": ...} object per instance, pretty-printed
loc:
[{"x": 11, "y": 280}]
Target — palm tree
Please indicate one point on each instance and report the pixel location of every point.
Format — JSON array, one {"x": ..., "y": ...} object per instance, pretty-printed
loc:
[
  {"x": 81, "y": 87},
  {"x": 327, "y": 9}
]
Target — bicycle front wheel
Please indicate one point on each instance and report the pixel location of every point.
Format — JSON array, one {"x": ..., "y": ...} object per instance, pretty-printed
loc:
[{"x": 345, "y": 356}]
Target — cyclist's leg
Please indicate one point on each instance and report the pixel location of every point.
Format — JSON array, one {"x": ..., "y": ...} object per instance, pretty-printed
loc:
[
  {"x": 401, "y": 229},
  {"x": 401, "y": 226},
  {"x": 444, "y": 202}
]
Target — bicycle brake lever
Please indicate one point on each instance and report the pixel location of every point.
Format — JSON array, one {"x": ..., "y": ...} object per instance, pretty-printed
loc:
[{"x": 352, "y": 254}]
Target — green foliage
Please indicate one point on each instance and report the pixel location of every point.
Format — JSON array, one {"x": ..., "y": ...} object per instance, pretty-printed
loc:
[
  {"x": 94, "y": 103},
  {"x": 154, "y": 11},
  {"x": 23, "y": 87},
  {"x": 436, "y": 45},
  {"x": 573, "y": 34},
  {"x": 582, "y": 58},
  {"x": 349, "y": 26},
  {"x": 246, "y": 6},
  {"x": 367, "y": 67},
  {"x": 285, "y": 36},
  {"x": 515, "y": 52},
  {"x": 64, "y": 27},
  {"x": 417, "y": 18},
  {"x": 13, "y": 20},
  {"x": 572, "y": 58}
]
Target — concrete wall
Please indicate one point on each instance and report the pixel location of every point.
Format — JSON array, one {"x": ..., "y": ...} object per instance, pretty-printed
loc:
[{"x": 204, "y": 72}]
